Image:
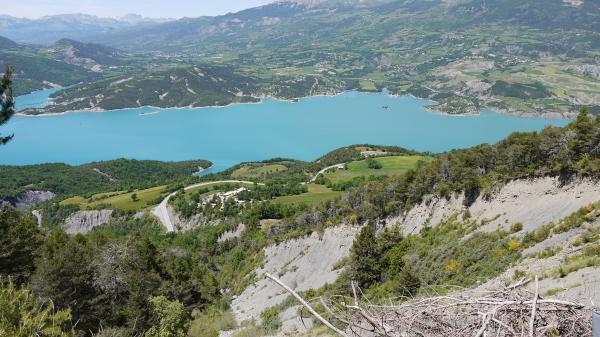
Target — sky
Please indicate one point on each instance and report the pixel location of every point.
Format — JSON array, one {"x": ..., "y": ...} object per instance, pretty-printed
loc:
[{"x": 115, "y": 8}]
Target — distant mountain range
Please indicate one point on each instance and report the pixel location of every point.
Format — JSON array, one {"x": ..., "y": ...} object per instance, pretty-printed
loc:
[
  {"x": 49, "y": 29},
  {"x": 523, "y": 57}
]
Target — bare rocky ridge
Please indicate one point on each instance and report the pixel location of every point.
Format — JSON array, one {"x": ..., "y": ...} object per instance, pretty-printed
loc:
[
  {"x": 28, "y": 199},
  {"x": 85, "y": 221},
  {"x": 233, "y": 233},
  {"x": 532, "y": 202}
]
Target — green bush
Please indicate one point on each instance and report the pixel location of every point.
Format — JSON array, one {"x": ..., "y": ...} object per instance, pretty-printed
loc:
[
  {"x": 516, "y": 227},
  {"x": 270, "y": 319}
]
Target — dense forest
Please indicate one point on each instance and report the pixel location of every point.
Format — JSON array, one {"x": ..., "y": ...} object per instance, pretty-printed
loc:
[{"x": 65, "y": 180}]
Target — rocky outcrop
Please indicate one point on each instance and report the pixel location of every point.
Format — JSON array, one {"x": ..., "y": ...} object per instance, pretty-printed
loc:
[
  {"x": 28, "y": 199},
  {"x": 38, "y": 216},
  {"x": 232, "y": 234},
  {"x": 181, "y": 224},
  {"x": 532, "y": 202},
  {"x": 85, "y": 221},
  {"x": 309, "y": 262},
  {"x": 303, "y": 264}
]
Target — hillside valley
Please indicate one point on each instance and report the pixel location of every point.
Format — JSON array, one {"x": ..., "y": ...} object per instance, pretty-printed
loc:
[
  {"x": 534, "y": 58},
  {"x": 304, "y": 168},
  {"x": 388, "y": 218}
]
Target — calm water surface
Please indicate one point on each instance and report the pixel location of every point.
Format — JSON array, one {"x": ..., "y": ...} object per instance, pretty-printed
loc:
[{"x": 244, "y": 132}]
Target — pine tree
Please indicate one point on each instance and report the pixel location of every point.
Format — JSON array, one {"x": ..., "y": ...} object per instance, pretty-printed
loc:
[
  {"x": 19, "y": 240},
  {"x": 365, "y": 258},
  {"x": 64, "y": 275},
  {"x": 7, "y": 104},
  {"x": 584, "y": 132},
  {"x": 407, "y": 283}
]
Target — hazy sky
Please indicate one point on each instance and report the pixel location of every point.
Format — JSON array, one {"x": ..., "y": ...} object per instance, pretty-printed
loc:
[{"x": 149, "y": 8}]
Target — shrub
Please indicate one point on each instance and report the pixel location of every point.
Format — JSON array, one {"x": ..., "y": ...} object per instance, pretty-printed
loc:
[
  {"x": 516, "y": 227},
  {"x": 513, "y": 245},
  {"x": 22, "y": 316},
  {"x": 374, "y": 164},
  {"x": 270, "y": 319},
  {"x": 407, "y": 283},
  {"x": 169, "y": 318}
]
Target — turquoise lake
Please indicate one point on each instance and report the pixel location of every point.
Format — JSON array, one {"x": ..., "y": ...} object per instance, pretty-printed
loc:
[{"x": 244, "y": 132}]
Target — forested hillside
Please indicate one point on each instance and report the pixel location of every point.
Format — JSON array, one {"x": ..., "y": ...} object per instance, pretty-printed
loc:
[{"x": 65, "y": 180}]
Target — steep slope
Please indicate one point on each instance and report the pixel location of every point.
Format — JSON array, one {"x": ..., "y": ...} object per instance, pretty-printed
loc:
[
  {"x": 306, "y": 263},
  {"x": 36, "y": 71},
  {"x": 87, "y": 54},
  {"x": 173, "y": 87},
  {"x": 7, "y": 43},
  {"x": 532, "y": 202}
]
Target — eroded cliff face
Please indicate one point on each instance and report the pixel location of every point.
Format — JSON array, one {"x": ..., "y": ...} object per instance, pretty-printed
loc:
[
  {"x": 303, "y": 264},
  {"x": 28, "y": 199},
  {"x": 308, "y": 263},
  {"x": 533, "y": 202},
  {"x": 85, "y": 221}
]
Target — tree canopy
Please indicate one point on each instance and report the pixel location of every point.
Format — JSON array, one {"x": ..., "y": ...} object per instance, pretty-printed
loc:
[{"x": 7, "y": 103}]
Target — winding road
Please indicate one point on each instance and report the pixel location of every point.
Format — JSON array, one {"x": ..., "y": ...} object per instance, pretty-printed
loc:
[
  {"x": 336, "y": 166},
  {"x": 162, "y": 213}
]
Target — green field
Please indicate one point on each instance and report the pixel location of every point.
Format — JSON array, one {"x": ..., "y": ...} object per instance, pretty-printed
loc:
[
  {"x": 254, "y": 171},
  {"x": 316, "y": 194},
  {"x": 390, "y": 166},
  {"x": 367, "y": 85},
  {"x": 119, "y": 200}
]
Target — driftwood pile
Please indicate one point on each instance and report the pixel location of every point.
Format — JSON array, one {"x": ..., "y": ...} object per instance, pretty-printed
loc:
[{"x": 510, "y": 311}]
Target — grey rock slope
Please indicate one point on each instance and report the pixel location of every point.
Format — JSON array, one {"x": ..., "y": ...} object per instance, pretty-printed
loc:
[
  {"x": 85, "y": 221},
  {"x": 308, "y": 263},
  {"x": 303, "y": 264},
  {"x": 532, "y": 202},
  {"x": 28, "y": 199}
]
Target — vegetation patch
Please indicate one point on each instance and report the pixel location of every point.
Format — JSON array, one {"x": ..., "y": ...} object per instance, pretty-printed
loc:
[
  {"x": 316, "y": 194},
  {"x": 257, "y": 171},
  {"x": 381, "y": 166},
  {"x": 125, "y": 201}
]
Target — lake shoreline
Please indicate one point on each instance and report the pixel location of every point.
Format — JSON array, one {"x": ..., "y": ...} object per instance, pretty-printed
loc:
[
  {"x": 263, "y": 98},
  {"x": 302, "y": 130}
]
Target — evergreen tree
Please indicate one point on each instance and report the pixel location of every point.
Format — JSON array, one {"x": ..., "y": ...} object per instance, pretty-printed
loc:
[
  {"x": 7, "y": 104},
  {"x": 584, "y": 133},
  {"x": 407, "y": 283},
  {"x": 64, "y": 275},
  {"x": 19, "y": 239},
  {"x": 365, "y": 258}
]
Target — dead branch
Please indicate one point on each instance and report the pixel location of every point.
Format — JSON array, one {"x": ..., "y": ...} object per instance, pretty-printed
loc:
[
  {"x": 306, "y": 305},
  {"x": 509, "y": 311}
]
